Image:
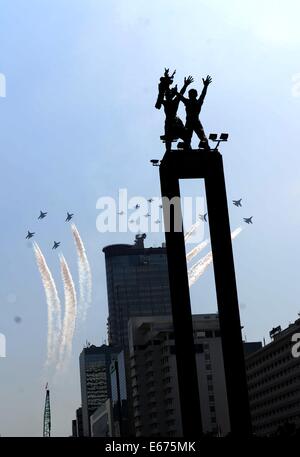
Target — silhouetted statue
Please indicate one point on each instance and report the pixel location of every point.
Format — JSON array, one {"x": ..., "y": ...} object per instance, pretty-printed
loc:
[
  {"x": 174, "y": 127},
  {"x": 193, "y": 107},
  {"x": 164, "y": 85}
]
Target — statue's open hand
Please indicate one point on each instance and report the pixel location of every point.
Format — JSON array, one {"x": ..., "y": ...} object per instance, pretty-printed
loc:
[
  {"x": 188, "y": 80},
  {"x": 207, "y": 81}
]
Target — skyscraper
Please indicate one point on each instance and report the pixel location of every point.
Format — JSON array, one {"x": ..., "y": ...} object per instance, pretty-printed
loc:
[
  {"x": 273, "y": 374},
  {"x": 137, "y": 285},
  {"x": 79, "y": 426},
  {"x": 95, "y": 380},
  {"x": 77, "y": 430},
  {"x": 119, "y": 396},
  {"x": 154, "y": 381}
]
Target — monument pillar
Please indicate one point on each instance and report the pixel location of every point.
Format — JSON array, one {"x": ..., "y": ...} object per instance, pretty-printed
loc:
[{"x": 206, "y": 164}]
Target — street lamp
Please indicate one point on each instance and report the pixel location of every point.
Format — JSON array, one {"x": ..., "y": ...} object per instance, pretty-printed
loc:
[
  {"x": 155, "y": 162},
  {"x": 214, "y": 137}
]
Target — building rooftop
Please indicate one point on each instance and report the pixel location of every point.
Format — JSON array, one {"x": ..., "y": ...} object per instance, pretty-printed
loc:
[
  {"x": 92, "y": 349},
  {"x": 278, "y": 336},
  {"x": 132, "y": 249}
]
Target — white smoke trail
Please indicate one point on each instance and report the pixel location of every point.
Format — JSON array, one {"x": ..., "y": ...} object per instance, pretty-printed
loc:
[
  {"x": 192, "y": 229},
  {"x": 236, "y": 232},
  {"x": 85, "y": 276},
  {"x": 199, "y": 268},
  {"x": 70, "y": 314},
  {"x": 53, "y": 302},
  {"x": 190, "y": 255}
]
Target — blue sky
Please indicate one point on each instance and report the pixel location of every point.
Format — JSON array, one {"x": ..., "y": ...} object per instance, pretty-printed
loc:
[{"x": 78, "y": 123}]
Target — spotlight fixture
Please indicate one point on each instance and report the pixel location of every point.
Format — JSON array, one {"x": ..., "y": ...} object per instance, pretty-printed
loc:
[
  {"x": 155, "y": 162},
  {"x": 214, "y": 137}
]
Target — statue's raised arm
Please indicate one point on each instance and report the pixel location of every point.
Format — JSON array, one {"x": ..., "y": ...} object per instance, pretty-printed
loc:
[
  {"x": 206, "y": 82},
  {"x": 193, "y": 106},
  {"x": 169, "y": 98},
  {"x": 163, "y": 86}
]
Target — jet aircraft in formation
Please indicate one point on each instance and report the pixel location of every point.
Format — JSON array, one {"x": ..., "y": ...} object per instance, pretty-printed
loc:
[
  {"x": 237, "y": 202},
  {"x": 29, "y": 235},
  {"x": 56, "y": 244},
  {"x": 42, "y": 215},
  {"x": 248, "y": 220},
  {"x": 202, "y": 217},
  {"x": 69, "y": 217}
]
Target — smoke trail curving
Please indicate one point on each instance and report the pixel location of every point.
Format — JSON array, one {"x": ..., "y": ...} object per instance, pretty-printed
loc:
[
  {"x": 199, "y": 268},
  {"x": 236, "y": 232},
  {"x": 192, "y": 229},
  {"x": 190, "y": 255},
  {"x": 85, "y": 276},
  {"x": 70, "y": 314},
  {"x": 53, "y": 302}
]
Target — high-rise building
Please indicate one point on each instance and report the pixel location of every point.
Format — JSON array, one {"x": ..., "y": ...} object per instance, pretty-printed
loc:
[
  {"x": 74, "y": 428},
  {"x": 155, "y": 394},
  {"x": 119, "y": 397},
  {"x": 273, "y": 375},
  {"x": 102, "y": 424},
  {"x": 95, "y": 380},
  {"x": 79, "y": 425},
  {"x": 137, "y": 285}
]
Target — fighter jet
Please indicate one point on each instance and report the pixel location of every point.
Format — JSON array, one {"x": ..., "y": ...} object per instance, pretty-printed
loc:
[
  {"x": 150, "y": 200},
  {"x": 42, "y": 215},
  {"x": 29, "y": 235},
  {"x": 237, "y": 202},
  {"x": 203, "y": 217},
  {"x": 56, "y": 244},
  {"x": 137, "y": 206},
  {"x": 248, "y": 220},
  {"x": 69, "y": 217}
]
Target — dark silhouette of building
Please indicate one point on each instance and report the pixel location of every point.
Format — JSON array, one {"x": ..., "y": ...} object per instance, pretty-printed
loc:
[
  {"x": 95, "y": 380},
  {"x": 251, "y": 347},
  {"x": 74, "y": 428},
  {"x": 137, "y": 285},
  {"x": 154, "y": 380},
  {"x": 101, "y": 420},
  {"x": 273, "y": 375},
  {"x": 119, "y": 398},
  {"x": 79, "y": 424}
]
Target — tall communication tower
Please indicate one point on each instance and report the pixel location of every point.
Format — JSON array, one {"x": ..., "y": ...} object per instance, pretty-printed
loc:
[{"x": 47, "y": 414}]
